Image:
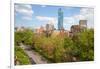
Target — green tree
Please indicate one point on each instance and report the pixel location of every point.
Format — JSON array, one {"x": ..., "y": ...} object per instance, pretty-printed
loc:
[
  {"x": 70, "y": 50},
  {"x": 58, "y": 43},
  {"x": 18, "y": 37},
  {"x": 28, "y": 37},
  {"x": 22, "y": 58},
  {"x": 87, "y": 43},
  {"x": 25, "y": 37}
]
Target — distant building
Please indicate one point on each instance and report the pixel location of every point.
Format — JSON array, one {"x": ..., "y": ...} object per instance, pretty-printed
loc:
[
  {"x": 75, "y": 29},
  {"x": 78, "y": 28},
  {"x": 15, "y": 29},
  {"x": 19, "y": 29},
  {"x": 39, "y": 30},
  {"x": 49, "y": 29},
  {"x": 83, "y": 23},
  {"x": 60, "y": 19}
]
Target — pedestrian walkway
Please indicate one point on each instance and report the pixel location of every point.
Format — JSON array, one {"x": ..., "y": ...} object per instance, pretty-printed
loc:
[{"x": 34, "y": 56}]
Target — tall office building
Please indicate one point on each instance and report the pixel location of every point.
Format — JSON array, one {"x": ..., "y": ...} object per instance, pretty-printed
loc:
[
  {"x": 83, "y": 23},
  {"x": 60, "y": 19},
  {"x": 49, "y": 27}
]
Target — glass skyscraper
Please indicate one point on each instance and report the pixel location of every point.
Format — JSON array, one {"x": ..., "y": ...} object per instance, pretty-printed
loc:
[{"x": 60, "y": 19}]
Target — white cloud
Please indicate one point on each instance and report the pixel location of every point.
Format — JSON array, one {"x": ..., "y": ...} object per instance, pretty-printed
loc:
[
  {"x": 49, "y": 19},
  {"x": 69, "y": 20},
  {"x": 86, "y": 11},
  {"x": 42, "y": 18},
  {"x": 26, "y": 18},
  {"x": 87, "y": 14},
  {"x": 55, "y": 20},
  {"x": 43, "y": 5},
  {"x": 25, "y": 10},
  {"x": 79, "y": 17}
]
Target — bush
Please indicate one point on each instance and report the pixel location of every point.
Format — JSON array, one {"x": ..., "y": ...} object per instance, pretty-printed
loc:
[{"x": 22, "y": 58}]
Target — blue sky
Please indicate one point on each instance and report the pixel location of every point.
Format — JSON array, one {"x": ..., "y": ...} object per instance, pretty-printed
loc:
[{"x": 34, "y": 16}]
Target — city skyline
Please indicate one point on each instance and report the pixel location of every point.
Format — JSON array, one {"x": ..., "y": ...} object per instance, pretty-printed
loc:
[{"x": 35, "y": 16}]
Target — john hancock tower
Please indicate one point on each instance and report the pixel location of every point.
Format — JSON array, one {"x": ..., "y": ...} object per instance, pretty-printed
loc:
[{"x": 60, "y": 19}]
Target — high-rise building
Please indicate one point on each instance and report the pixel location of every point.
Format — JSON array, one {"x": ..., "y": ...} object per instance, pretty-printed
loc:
[
  {"x": 60, "y": 19},
  {"x": 83, "y": 23},
  {"x": 20, "y": 29},
  {"x": 49, "y": 27}
]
